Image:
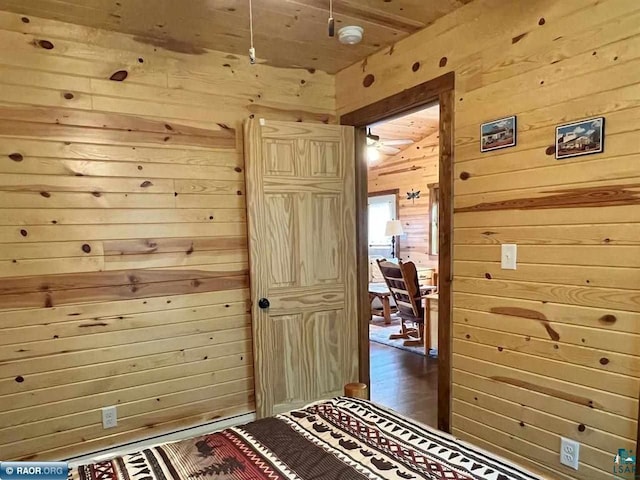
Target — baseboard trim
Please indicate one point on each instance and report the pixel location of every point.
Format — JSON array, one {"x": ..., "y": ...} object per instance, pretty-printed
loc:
[{"x": 175, "y": 436}]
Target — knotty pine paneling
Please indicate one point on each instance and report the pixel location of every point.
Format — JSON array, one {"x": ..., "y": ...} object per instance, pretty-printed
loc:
[
  {"x": 224, "y": 26},
  {"x": 412, "y": 169},
  {"x": 123, "y": 244},
  {"x": 553, "y": 348}
]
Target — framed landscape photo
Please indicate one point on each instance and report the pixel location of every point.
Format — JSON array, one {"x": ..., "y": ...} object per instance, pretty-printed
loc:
[
  {"x": 498, "y": 134},
  {"x": 580, "y": 138}
]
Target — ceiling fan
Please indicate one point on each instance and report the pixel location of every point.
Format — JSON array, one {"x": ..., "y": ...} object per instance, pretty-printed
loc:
[{"x": 388, "y": 147}]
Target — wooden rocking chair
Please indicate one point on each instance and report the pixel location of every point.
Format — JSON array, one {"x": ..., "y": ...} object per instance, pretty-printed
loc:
[{"x": 402, "y": 280}]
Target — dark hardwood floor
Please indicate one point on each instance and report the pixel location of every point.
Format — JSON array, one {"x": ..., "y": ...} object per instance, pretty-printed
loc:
[{"x": 405, "y": 382}]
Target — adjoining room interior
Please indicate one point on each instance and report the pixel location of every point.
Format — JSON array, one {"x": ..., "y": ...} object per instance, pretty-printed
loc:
[
  {"x": 403, "y": 163},
  {"x": 186, "y": 280}
]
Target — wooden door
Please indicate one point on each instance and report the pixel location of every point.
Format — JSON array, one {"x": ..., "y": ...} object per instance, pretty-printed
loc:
[{"x": 301, "y": 208}]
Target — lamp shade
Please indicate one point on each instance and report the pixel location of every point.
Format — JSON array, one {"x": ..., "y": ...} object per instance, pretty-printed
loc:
[{"x": 394, "y": 227}]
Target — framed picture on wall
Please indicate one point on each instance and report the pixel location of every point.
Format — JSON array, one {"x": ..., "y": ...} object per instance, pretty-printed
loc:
[
  {"x": 497, "y": 134},
  {"x": 580, "y": 138}
]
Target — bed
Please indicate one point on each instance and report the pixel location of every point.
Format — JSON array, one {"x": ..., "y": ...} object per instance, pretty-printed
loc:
[{"x": 339, "y": 439}]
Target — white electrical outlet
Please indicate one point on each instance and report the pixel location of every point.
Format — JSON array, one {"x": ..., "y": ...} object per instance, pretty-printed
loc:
[
  {"x": 509, "y": 256},
  {"x": 569, "y": 452},
  {"x": 109, "y": 417}
]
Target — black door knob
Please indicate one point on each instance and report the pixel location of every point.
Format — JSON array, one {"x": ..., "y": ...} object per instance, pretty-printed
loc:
[{"x": 263, "y": 303}]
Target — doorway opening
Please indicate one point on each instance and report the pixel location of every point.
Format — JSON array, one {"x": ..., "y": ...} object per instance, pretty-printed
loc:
[
  {"x": 402, "y": 166},
  {"x": 404, "y": 188}
]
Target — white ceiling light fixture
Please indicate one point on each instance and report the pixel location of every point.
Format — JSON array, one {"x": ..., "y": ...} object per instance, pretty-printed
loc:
[
  {"x": 350, "y": 35},
  {"x": 373, "y": 154}
]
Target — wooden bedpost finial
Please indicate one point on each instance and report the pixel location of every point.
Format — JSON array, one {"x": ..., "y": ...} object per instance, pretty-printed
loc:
[{"x": 356, "y": 390}]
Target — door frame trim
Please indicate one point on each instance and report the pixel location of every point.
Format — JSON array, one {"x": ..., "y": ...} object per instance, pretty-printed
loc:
[{"x": 442, "y": 90}]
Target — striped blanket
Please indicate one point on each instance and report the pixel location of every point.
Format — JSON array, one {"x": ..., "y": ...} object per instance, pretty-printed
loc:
[{"x": 339, "y": 439}]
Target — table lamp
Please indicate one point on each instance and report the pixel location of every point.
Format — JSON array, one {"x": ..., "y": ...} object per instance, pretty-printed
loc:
[{"x": 393, "y": 228}]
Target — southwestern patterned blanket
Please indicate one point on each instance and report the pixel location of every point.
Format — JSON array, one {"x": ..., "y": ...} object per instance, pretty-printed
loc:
[{"x": 339, "y": 439}]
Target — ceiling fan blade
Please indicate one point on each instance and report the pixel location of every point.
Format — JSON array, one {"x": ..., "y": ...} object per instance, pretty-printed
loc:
[
  {"x": 402, "y": 141},
  {"x": 388, "y": 150}
]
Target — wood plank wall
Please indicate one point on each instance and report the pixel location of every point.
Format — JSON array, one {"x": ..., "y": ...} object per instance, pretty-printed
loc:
[
  {"x": 414, "y": 168},
  {"x": 123, "y": 248},
  {"x": 553, "y": 348}
]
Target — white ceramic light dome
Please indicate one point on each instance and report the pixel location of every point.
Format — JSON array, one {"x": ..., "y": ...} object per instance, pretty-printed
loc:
[{"x": 350, "y": 35}]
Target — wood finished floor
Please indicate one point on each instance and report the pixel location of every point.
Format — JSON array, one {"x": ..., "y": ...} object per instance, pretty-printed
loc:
[{"x": 405, "y": 382}]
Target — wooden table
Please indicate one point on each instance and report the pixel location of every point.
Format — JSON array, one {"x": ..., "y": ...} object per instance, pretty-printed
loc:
[
  {"x": 427, "y": 319},
  {"x": 381, "y": 291}
]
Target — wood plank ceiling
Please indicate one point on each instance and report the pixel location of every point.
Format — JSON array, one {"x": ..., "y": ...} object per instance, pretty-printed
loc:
[
  {"x": 414, "y": 126},
  {"x": 291, "y": 33}
]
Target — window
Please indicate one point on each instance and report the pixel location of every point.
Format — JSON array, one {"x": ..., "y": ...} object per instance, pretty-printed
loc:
[
  {"x": 382, "y": 208},
  {"x": 434, "y": 207}
]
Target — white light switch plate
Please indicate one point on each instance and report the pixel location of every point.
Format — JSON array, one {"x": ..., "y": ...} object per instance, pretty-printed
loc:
[
  {"x": 509, "y": 256},
  {"x": 109, "y": 417}
]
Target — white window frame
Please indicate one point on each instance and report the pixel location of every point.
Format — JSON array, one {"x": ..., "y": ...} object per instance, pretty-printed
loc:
[
  {"x": 434, "y": 220},
  {"x": 390, "y": 199}
]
